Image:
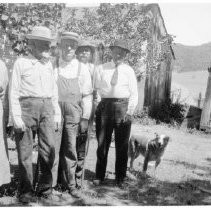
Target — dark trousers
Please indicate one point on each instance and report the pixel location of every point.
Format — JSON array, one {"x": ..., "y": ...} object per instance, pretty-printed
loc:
[
  {"x": 80, "y": 149},
  {"x": 109, "y": 116},
  {"x": 37, "y": 114}
]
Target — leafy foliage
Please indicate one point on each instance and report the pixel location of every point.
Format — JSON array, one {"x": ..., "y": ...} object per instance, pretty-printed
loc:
[
  {"x": 132, "y": 22},
  {"x": 173, "y": 113},
  {"x": 142, "y": 117},
  {"x": 18, "y": 19}
]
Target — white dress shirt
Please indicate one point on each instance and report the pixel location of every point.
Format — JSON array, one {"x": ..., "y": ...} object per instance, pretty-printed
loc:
[
  {"x": 3, "y": 78},
  {"x": 126, "y": 86},
  {"x": 4, "y": 86},
  {"x": 69, "y": 70},
  {"x": 31, "y": 78}
]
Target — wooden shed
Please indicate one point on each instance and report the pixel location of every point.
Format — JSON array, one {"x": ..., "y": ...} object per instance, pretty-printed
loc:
[{"x": 158, "y": 81}]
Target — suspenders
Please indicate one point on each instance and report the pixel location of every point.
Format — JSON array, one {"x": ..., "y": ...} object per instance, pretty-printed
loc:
[{"x": 79, "y": 69}]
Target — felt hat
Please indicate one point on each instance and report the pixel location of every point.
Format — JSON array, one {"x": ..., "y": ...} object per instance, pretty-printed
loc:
[
  {"x": 120, "y": 43},
  {"x": 86, "y": 43}
]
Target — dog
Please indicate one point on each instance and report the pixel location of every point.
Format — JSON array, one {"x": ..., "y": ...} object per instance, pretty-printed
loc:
[{"x": 152, "y": 150}]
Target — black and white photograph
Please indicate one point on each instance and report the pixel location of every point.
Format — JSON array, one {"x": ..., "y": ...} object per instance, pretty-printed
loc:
[{"x": 134, "y": 125}]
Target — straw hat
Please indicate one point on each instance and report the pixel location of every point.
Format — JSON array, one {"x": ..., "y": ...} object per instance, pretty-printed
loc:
[
  {"x": 69, "y": 35},
  {"x": 40, "y": 33}
]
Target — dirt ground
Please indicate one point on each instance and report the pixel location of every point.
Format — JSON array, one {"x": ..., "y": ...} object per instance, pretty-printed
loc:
[{"x": 182, "y": 178}]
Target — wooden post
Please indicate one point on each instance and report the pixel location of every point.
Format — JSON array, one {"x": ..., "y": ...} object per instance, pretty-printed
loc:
[
  {"x": 199, "y": 100},
  {"x": 205, "y": 123}
]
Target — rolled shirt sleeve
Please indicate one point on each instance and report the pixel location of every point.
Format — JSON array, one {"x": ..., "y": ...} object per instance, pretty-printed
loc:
[
  {"x": 133, "y": 89},
  {"x": 57, "y": 110},
  {"x": 97, "y": 77},
  {"x": 14, "y": 92},
  {"x": 86, "y": 105}
]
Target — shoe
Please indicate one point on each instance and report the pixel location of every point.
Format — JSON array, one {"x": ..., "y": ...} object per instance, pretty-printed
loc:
[
  {"x": 98, "y": 182},
  {"x": 121, "y": 183},
  {"x": 78, "y": 187},
  {"x": 27, "y": 198},
  {"x": 75, "y": 192},
  {"x": 49, "y": 198},
  {"x": 56, "y": 192}
]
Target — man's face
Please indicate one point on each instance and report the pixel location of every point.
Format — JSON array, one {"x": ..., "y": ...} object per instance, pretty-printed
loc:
[
  {"x": 118, "y": 54},
  {"x": 68, "y": 48},
  {"x": 84, "y": 54},
  {"x": 41, "y": 48}
]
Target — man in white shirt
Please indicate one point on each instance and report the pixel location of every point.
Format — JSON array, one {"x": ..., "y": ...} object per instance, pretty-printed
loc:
[
  {"x": 4, "y": 111},
  {"x": 75, "y": 99},
  {"x": 34, "y": 105},
  {"x": 117, "y": 85}
]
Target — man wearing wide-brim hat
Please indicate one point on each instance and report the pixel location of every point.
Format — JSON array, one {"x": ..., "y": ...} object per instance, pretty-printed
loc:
[
  {"x": 75, "y": 100},
  {"x": 34, "y": 106},
  {"x": 85, "y": 54},
  {"x": 85, "y": 51},
  {"x": 117, "y": 85}
]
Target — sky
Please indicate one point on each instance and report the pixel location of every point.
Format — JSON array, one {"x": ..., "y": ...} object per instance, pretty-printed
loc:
[{"x": 189, "y": 22}]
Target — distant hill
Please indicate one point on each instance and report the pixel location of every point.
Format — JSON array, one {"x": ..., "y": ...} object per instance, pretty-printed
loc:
[
  {"x": 192, "y": 58},
  {"x": 194, "y": 82}
]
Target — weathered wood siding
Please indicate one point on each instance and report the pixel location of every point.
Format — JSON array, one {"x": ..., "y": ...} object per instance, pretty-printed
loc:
[{"x": 158, "y": 83}]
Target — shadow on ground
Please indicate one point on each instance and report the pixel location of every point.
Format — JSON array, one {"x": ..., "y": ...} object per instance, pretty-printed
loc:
[
  {"x": 144, "y": 190},
  {"x": 138, "y": 190}
]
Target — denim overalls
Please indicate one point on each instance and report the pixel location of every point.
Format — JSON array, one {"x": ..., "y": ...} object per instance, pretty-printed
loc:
[{"x": 70, "y": 104}]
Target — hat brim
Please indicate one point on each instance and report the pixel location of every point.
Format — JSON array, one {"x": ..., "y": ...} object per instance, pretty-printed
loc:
[
  {"x": 112, "y": 46},
  {"x": 29, "y": 36},
  {"x": 90, "y": 46},
  {"x": 69, "y": 37}
]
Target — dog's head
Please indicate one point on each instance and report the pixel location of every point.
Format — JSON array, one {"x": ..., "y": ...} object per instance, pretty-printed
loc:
[{"x": 162, "y": 140}]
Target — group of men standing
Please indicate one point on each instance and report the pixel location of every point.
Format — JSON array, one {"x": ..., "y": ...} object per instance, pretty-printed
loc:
[{"x": 57, "y": 104}]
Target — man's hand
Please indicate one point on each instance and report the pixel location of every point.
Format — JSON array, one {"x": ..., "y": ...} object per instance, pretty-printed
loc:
[
  {"x": 83, "y": 125},
  {"x": 19, "y": 124},
  {"x": 128, "y": 118}
]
